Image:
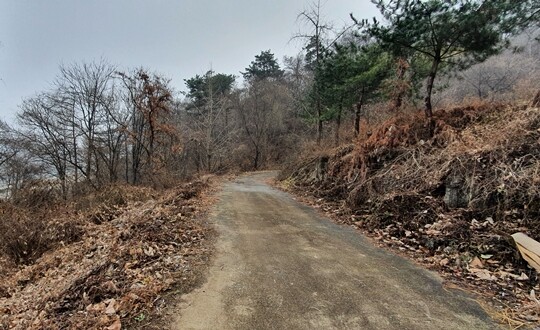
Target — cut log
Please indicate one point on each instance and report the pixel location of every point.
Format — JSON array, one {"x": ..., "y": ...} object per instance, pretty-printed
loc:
[{"x": 529, "y": 249}]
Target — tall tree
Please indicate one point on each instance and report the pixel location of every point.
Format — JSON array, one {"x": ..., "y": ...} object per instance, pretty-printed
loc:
[
  {"x": 44, "y": 135},
  {"x": 87, "y": 88},
  {"x": 148, "y": 99},
  {"x": 265, "y": 66},
  {"x": 315, "y": 49},
  {"x": 201, "y": 87},
  {"x": 211, "y": 129},
  {"x": 447, "y": 32},
  {"x": 350, "y": 76},
  {"x": 262, "y": 109}
]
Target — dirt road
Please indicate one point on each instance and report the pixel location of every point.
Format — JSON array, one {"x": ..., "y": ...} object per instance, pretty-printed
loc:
[{"x": 280, "y": 265}]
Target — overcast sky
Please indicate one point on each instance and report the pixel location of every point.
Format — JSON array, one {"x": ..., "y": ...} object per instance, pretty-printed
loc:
[{"x": 178, "y": 38}]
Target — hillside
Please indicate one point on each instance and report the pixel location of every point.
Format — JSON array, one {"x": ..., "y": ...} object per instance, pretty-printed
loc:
[
  {"x": 450, "y": 201},
  {"x": 415, "y": 125},
  {"x": 105, "y": 261}
]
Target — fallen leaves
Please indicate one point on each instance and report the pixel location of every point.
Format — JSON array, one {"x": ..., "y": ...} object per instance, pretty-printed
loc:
[
  {"x": 474, "y": 253},
  {"x": 482, "y": 274},
  {"x": 127, "y": 257},
  {"x": 397, "y": 190}
]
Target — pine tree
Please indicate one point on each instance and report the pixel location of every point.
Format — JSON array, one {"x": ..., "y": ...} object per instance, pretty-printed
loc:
[
  {"x": 454, "y": 33},
  {"x": 265, "y": 66}
]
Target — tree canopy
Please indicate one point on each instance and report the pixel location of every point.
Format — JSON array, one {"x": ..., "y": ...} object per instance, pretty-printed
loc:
[
  {"x": 449, "y": 32},
  {"x": 264, "y": 66},
  {"x": 201, "y": 87},
  {"x": 351, "y": 75}
]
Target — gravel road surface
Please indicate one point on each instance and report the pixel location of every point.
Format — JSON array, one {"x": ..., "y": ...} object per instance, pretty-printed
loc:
[{"x": 281, "y": 265}]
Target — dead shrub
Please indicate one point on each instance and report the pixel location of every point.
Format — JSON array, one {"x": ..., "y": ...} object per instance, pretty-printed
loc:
[
  {"x": 104, "y": 213},
  {"x": 113, "y": 197},
  {"x": 536, "y": 100},
  {"x": 24, "y": 237},
  {"x": 490, "y": 150},
  {"x": 451, "y": 200},
  {"x": 37, "y": 194},
  {"x": 412, "y": 211}
]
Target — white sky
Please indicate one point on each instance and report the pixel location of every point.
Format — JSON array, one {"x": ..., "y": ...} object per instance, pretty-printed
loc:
[{"x": 178, "y": 38}]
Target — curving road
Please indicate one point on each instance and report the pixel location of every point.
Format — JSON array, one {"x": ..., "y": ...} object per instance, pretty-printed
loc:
[{"x": 280, "y": 265}]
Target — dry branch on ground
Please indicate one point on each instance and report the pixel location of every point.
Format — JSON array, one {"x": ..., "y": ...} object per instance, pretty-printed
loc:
[{"x": 135, "y": 244}]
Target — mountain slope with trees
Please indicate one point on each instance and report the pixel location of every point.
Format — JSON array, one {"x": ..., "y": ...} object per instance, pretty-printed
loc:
[{"x": 420, "y": 128}]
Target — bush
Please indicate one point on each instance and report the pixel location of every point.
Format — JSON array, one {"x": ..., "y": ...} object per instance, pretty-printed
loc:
[
  {"x": 24, "y": 238},
  {"x": 37, "y": 194}
]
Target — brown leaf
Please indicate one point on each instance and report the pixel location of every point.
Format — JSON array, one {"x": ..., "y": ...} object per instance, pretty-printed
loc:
[
  {"x": 444, "y": 262},
  {"x": 476, "y": 263},
  {"x": 110, "y": 310},
  {"x": 117, "y": 325},
  {"x": 483, "y": 274}
]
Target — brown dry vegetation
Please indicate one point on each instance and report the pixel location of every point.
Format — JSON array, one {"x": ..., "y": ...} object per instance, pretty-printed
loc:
[
  {"x": 102, "y": 261},
  {"x": 451, "y": 201}
]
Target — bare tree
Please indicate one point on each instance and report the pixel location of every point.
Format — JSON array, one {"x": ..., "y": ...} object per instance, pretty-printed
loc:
[
  {"x": 209, "y": 123},
  {"x": 44, "y": 136},
  {"x": 498, "y": 77},
  {"x": 87, "y": 87},
  {"x": 314, "y": 46},
  {"x": 148, "y": 101},
  {"x": 262, "y": 110},
  {"x": 7, "y": 149}
]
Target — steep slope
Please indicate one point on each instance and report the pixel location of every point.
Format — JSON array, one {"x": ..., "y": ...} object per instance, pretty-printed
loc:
[{"x": 450, "y": 200}]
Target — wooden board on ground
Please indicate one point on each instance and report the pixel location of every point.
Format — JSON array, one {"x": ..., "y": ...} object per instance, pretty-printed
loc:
[{"x": 529, "y": 249}]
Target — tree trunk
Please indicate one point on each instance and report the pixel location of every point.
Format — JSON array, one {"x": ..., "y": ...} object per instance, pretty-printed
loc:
[
  {"x": 62, "y": 175},
  {"x": 74, "y": 141},
  {"x": 151, "y": 142},
  {"x": 256, "y": 159},
  {"x": 338, "y": 127},
  {"x": 429, "y": 90},
  {"x": 99, "y": 179},
  {"x": 135, "y": 162},
  {"x": 208, "y": 160},
  {"x": 338, "y": 121},
  {"x": 318, "y": 57},
  {"x": 319, "y": 120},
  {"x": 63, "y": 187},
  {"x": 358, "y": 113},
  {"x": 127, "y": 160},
  {"x": 89, "y": 153},
  {"x": 401, "y": 70}
]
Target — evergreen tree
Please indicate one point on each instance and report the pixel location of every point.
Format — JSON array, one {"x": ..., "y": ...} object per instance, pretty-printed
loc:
[
  {"x": 349, "y": 77},
  {"x": 201, "y": 87},
  {"x": 447, "y": 32},
  {"x": 265, "y": 66}
]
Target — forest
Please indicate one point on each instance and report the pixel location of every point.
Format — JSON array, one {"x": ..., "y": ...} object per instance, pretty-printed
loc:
[
  {"x": 382, "y": 122},
  {"x": 98, "y": 125}
]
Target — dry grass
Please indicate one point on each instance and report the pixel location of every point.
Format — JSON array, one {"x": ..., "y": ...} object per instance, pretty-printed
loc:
[
  {"x": 396, "y": 181},
  {"x": 25, "y": 235},
  {"x": 132, "y": 245}
]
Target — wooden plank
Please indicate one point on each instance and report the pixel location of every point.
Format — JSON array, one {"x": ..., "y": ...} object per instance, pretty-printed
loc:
[{"x": 529, "y": 249}]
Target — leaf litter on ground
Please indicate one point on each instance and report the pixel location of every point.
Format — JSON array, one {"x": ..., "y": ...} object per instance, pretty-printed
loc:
[{"x": 118, "y": 272}]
